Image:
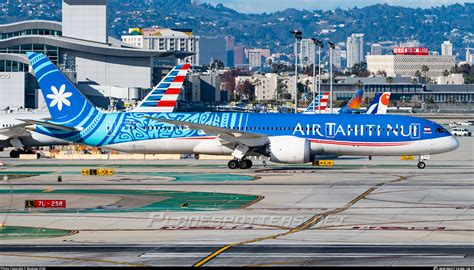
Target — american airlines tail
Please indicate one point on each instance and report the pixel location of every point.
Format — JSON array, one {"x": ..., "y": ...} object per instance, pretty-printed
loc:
[
  {"x": 68, "y": 107},
  {"x": 320, "y": 102},
  {"x": 164, "y": 96}
]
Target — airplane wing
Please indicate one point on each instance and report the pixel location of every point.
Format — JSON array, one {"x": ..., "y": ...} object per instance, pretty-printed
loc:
[
  {"x": 14, "y": 132},
  {"x": 249, "y": 139}
]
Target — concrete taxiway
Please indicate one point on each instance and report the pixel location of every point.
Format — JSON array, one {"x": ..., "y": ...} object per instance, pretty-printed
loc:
[{"x": 359, "y": 212}]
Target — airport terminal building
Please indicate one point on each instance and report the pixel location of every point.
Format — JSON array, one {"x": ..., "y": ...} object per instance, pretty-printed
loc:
[{"x": 104, "y": 68}]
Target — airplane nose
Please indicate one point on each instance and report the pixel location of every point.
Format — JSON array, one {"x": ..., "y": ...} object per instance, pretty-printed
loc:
[{"x": 454, "y": 143}]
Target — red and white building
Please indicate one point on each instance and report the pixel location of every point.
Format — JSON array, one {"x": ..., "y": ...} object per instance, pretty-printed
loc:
[{"x": 406, "y": 61}]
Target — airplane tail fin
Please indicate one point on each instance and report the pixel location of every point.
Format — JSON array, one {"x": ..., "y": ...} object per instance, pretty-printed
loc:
[
  {"x": 356, "y": 100},
  {"x": 372, "y": 109},
  {"x": 383, "y": 103},
  {"x": 323, "y": 102},
  {"x": 66, "y": 104},
  {"x": 163, "y": 96},
  {"x": 379, "y": 104}
]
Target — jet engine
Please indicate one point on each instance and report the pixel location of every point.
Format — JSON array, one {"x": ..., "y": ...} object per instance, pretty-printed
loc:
[{"x": 289, "y": 149}]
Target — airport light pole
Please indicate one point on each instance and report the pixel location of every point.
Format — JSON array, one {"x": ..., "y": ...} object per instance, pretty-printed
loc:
[
  {"x": 298, "y": 36},
  {"x": 331, "y": 48},
  {"x": 318, "y": 43},
  {"x": 313, "y": 82}
]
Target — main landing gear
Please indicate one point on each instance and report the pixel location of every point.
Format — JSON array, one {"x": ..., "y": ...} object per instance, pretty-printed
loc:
[
  {"x": 17, "y": 153},
  {"x": 240, "y": 163}
]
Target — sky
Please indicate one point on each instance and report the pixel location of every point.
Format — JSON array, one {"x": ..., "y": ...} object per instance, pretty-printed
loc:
[{"x": 260, "y": 6}]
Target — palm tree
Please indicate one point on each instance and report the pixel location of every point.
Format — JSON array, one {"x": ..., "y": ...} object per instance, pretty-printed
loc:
[
  {"x": 425, "y": 70},
  {"x": 389, "y": 80},
  {"x": 418, "y": 74}
]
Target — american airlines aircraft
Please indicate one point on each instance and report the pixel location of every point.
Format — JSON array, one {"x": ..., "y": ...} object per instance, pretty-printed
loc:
[
  {"x": 284, "y": 138},
  {"x": 18, "y": 134}
]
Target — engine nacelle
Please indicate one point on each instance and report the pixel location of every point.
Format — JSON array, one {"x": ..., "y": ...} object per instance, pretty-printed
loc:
[{"x": 289, "y": 149}]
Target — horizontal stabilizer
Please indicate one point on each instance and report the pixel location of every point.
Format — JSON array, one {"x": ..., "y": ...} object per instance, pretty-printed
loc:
[{"x": 50, "y": 125}]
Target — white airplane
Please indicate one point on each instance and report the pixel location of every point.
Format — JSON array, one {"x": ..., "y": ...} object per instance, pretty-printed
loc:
[{"x": 17, "y": 134}]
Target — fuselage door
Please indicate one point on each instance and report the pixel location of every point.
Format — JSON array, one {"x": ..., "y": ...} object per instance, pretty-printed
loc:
[
  {"x": 415, "y": 131},
  {"x": 110, "y": 128}
]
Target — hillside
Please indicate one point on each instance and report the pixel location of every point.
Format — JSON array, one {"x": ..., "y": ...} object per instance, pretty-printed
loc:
[{"x": 378, "y": 22}]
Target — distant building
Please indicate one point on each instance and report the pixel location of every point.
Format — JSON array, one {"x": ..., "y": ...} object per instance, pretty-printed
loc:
[
  {"x": 355, "y": 49},
  {"x": 212, "y": 48},
  {"x": 205, "y": 87},
  {"x": 337, "y": 57},
  {"x": 239, "y": 55},
  {"x": 264, "y": 52},
  {"x": 308, "y": 52},
  {"x": 102, "y": 67},
  {"x": 451, "y": 79},
  {"x": 164, "y": 39},
  {"x": 376, "y": 49},
  {"x": 230, "y": 46},
  {"x": 408, "y": 65},
  {"x": 255, "y": 58},
  {"x": 86, "y": 20},
  {"x": 343, "y": 58},
  {"x": 447, "y": 48},
  {"x": 265, "y": 86}
]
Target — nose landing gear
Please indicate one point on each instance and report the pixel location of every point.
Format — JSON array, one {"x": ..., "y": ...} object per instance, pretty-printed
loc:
[{"x": 421, "y": 164}]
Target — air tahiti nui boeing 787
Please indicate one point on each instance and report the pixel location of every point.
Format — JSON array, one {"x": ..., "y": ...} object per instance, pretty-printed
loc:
[{"x": 284, "y": 138}]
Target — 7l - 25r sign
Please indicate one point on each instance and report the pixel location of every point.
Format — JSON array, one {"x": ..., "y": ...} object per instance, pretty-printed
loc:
[{"x": 45, "y": 204}]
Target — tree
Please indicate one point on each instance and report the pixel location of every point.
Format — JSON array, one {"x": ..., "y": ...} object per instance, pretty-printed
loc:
[
  {"x": 424, "y": 70},
  {"x": 445, "y": 73},
  {"x": 381, "y": 73},
  {"x": 418, "y": 74},
  {"x": 228, "y": 78},
  {"x": 216, "y": 64},
  {"x": 389, "y": 80},
  {"x": 360, "y": 70},
  {"x": 300, "y": 91},
  {"x": 247, "y": 90},
  {"x": 279, "y": 68},
  {"x": 280, "y": 90}
]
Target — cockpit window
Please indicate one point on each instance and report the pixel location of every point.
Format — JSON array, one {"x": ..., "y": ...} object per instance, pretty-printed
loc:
[{"x": 441, "y": 130}]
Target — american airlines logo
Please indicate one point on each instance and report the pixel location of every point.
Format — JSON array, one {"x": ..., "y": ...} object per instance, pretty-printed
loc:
[{"x": 331, "y": 130}]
